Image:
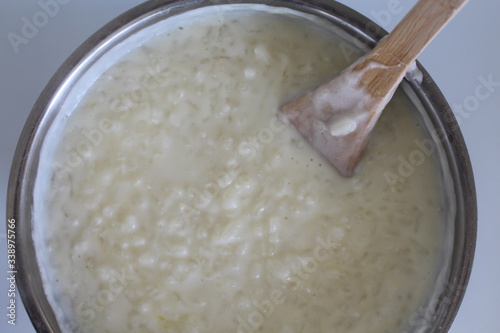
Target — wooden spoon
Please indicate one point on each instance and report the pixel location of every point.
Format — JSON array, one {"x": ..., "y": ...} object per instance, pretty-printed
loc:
[{"x": 338, "y": 117}]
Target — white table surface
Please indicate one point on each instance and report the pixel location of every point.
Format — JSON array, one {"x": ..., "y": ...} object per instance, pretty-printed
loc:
[{"x": 466, "y": 50}]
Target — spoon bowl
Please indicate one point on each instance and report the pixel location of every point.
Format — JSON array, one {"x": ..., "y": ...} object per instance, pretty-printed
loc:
[{"x": 338, "y": 116}]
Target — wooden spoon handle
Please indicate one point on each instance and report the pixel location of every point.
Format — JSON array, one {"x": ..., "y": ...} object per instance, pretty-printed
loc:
[{"x": 399, "y": 50}]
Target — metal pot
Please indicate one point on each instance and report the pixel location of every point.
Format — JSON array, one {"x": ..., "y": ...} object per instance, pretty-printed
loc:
[{"x": 436, "y": 315}]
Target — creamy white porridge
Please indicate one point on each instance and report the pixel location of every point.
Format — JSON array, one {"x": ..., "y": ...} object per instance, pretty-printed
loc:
[{"x": 180, "y": 203}]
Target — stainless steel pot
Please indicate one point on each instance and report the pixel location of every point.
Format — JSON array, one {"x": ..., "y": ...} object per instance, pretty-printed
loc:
[{"x": 442, "y": 305}]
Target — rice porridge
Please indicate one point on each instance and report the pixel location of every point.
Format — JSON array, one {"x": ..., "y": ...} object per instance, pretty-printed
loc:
[{"x": 179, "y": 202}]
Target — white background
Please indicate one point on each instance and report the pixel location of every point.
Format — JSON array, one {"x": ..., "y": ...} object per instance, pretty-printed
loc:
[{"x": 467, "y": 49}]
